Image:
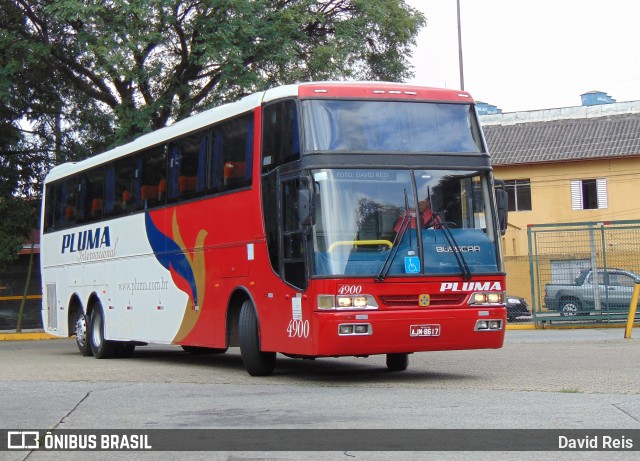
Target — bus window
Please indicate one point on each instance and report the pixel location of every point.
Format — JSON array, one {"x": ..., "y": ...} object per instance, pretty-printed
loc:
[
  {"x": 119, "y": 187},
  {"x": 280, "y": 138},
  {"x": 232, "y": 147},
  {"x": 294, "y": 268},
  {"x": 151, "y": 172},
  {"x": 187, "y": 166},
  {"x": 52, "y": 208},
  {"x": 67, "y": 202},
  {"x": 91, "y": 197},
  {"x": 389, "y": 126}
]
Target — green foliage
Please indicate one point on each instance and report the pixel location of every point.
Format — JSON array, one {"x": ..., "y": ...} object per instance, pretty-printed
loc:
[
  {"x": 79, "y": 76},
  {"x": 18, "y": 220},
  {"x": 138, "y": 64}
]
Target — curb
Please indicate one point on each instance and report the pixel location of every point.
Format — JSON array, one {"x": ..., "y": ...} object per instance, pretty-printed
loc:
[
  {"x": 545, "y": 326},
  {"x": 524, "y": 326},
  {"x": 26, "y": 336}
]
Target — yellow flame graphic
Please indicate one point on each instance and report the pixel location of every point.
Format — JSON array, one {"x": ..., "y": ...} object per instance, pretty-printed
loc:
[{"x": 196, "y": 260}]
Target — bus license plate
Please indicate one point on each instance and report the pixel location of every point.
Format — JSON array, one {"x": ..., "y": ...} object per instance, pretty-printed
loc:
[{"x": 424, "y": 330}]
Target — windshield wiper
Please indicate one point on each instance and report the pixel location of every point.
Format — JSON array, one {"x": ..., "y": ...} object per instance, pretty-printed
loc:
[
  {"x": 395, "y": 246},
  {"x": 451, "y": 240}
]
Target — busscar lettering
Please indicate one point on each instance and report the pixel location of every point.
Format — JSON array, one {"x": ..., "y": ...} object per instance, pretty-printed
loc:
[{"x": 461, "y": 249}]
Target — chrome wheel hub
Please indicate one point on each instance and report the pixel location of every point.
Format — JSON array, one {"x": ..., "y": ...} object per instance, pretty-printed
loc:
[{"x": 81, "y": 330}]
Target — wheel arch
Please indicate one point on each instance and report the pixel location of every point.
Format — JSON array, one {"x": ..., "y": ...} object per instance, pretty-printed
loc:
[
  {"x": 564, "y": 297},
  {"x": 93, "y": 299},
  {"x": 74, "y": 305}
]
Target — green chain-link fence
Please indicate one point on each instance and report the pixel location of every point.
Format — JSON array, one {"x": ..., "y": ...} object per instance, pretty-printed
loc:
[
  {"x": 583, "y": 272},
  {"x": 12, "y": 290}
]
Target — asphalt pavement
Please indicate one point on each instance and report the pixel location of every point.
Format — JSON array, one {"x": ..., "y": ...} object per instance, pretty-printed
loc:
[{"x": 540, "y": 379}]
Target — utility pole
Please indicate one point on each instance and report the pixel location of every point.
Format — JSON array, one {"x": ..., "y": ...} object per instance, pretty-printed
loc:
[{"x": 460, "y": 48}]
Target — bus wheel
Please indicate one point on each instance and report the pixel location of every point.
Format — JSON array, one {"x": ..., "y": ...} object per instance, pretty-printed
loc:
[
  {"x": 82, "y": 336},
  {"x": 256, "y": 362},
  {"x": 101, "y": 348},
  {"x": 397, "y": 362}
]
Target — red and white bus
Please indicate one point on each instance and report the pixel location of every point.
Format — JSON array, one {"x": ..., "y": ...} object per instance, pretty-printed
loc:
[{"x": 311, "y": 220}]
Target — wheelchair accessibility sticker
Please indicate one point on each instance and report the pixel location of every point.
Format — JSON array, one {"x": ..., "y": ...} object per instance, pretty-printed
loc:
[{"x": 411, "y": 265}]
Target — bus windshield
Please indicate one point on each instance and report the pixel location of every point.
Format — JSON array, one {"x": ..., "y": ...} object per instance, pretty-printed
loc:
[
  {"x": 415, "y": 221},
  {"x": 389, "y": 126}
]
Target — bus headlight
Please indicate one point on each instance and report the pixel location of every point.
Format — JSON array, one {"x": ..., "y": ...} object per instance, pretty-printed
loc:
[
  {"x": 325, "y": 302},
  {"x": 360, "y": 301},
  {"x": 344, "y": 301},
  {"x": 484, "y": 298},
  {"x": 355, "y": 329},
  {"x": 331, "y": 302},
  {"x": 488, "y": 325},
  {"x": 494, "y": 298}
]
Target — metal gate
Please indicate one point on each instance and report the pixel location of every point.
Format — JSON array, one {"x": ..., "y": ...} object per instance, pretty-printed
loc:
[{"x": 583, "y": 272}]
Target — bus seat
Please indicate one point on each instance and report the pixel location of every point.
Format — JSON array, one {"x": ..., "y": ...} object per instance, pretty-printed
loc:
[
  {"x": 126, "y": 198},
  {"x": 69, "y": 213},
  {"x": 162, "y": 189},
  {"x": 187, "y": 184},
  {"x": 234, "y": 170},
  {"x": 96, "y": 207},
  {"x": 149, "y": 192}
]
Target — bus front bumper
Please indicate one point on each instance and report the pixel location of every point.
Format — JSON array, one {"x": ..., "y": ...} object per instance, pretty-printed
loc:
[{"x": 380, "y": 332}]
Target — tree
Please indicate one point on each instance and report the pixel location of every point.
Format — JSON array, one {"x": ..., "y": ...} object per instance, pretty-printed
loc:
[
  {"x": 140, "y": 64},
  {"x": 17, "y": 160},
  {"x": 78, "y": 76}
]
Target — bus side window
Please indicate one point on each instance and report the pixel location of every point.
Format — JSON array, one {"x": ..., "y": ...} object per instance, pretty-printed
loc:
[
  {"x": 232, "y": 154},
  {"x": 119, "y": 197},
  {"x": 52, "y": 206},
  {"x": 153, "y": 181},
  {"x": 67, "y": 203},
  {"x": 280, "y": 138},
  {"x": 293, "y": 237},
  {"x": 91, "y": 195},
  {"x": 187, "y": 166}
]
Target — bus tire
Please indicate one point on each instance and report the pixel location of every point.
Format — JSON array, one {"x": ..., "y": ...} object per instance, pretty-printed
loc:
[
  {"x": 256, "y": 362},
  {"x": 82, "y": 334},
  {"x": 101, "y": 348},
  {"x": 397, "y": 362}
]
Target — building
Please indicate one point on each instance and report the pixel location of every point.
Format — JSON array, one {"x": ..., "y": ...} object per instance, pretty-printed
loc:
[{"x": 567, "y": 165}]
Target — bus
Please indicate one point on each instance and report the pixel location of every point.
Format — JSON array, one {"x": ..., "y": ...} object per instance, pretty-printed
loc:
[{"x": 320, "y": 219}]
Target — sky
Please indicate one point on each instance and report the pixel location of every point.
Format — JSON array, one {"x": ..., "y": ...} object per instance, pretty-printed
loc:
[{"x": 527, "y": 55}]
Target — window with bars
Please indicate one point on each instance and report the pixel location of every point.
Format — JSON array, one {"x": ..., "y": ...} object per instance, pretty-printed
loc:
[
  {"x": 589, "y": 194},
  {"x": 519, "y": 192}
]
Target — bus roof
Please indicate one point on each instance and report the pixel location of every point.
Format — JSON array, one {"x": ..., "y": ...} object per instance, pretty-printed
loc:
[{"x": 355, "y": 90}]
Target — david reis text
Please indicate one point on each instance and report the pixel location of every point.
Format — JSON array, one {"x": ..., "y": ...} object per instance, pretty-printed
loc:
[{"x": 595, "y": 442}]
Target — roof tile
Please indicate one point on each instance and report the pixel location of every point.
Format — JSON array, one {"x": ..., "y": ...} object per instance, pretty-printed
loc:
[{"x": 564, "y": 140}]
